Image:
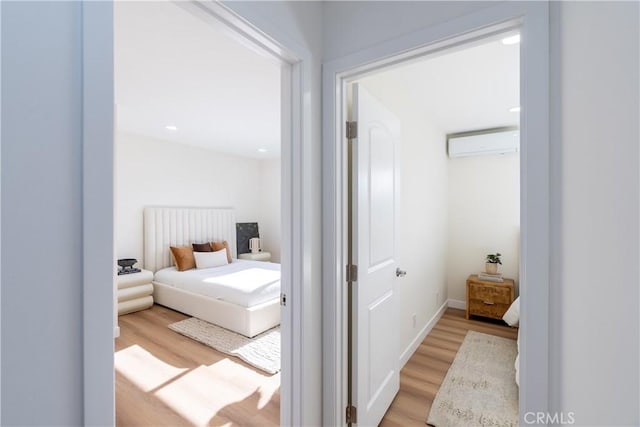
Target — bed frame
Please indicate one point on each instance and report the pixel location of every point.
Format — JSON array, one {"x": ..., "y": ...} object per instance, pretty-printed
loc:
[{"x": 178, "y": 226}]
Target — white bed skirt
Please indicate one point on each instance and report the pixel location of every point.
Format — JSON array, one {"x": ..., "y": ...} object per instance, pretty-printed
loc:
[{"x": 245, "y": 321}]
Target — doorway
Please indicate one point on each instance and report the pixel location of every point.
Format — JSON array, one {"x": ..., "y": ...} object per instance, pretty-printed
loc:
[
  {"x": 534, "y": 189},
  {"x": 439, "y": 221},
  {"x": 100, "y": 327},
  {"x": 184, "y": 88}
]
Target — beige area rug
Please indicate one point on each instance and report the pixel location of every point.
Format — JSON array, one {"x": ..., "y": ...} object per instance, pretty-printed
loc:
[
  {"x": 261, "y": 351},
  {"x": 480, "y": 387}
]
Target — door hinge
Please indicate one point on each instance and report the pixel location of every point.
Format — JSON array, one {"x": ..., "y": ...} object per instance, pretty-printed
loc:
[
  {"x": 352, "y": 415},
  {"x": 352, "y": 130},
  {"x": 283, "y": 299},
  {"x": 352, "y": 273}
]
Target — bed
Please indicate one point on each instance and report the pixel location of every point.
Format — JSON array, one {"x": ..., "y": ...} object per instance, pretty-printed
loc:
[
  {"x": 227, "y": 296},
  {"x": 512, "y": 318}
]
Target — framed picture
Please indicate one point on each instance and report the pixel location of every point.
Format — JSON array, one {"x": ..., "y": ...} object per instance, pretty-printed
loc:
[{"x": 244, "y": 232}]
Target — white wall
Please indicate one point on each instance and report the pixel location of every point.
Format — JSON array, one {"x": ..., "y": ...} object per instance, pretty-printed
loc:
[
  {"x": 596, "y": 304},
  {"x": 354, "y": 25},
  {"x": 151, "y": 172},
  {"x": 423, "y": 212},
  {"x": 269, "y": 210},
  {"x": 484, "y": 217}
]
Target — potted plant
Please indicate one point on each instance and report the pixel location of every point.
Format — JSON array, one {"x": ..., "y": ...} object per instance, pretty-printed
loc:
[{"x": 492, "y": 262}]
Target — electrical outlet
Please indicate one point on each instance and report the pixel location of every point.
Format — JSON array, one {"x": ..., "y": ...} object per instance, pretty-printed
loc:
[{"x": 413, "y": 318}]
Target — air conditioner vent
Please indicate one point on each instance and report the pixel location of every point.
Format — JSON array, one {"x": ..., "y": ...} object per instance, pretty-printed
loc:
[{"x": 494, "y": 141}]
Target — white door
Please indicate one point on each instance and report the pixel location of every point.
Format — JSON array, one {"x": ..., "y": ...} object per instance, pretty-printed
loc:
[{"x": 376, "y": 354}]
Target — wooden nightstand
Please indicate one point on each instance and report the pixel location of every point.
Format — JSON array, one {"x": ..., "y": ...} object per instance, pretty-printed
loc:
[
  {"x": 260, "y": 256},
  {"x": 488, "y": 299}
]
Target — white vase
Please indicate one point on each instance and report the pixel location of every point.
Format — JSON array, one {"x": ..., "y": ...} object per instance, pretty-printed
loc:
[{"x": 491, "y": 268}]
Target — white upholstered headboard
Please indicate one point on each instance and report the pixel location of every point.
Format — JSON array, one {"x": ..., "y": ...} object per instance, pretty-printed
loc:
[{"x": 177, "y": 226}]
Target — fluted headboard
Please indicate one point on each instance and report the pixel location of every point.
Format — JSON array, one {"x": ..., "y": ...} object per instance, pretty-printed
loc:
[{"x": 177, "y": 226}]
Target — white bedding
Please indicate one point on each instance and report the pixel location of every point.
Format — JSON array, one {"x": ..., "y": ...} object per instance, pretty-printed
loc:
[
  {"x": 517, "y": 362},
  {"x": 243, "y": 282},
  {"x": 512, "y": 317}
]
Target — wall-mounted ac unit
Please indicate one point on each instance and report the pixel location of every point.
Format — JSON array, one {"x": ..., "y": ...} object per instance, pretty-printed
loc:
[{"x": 497, "y": 141}]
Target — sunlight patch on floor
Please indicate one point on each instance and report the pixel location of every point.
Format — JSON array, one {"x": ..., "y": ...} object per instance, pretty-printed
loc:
[
  {"x": 193, "y": 397},
  {"x": 268, "y": 390},
  {"x": 143, "y": 369}
]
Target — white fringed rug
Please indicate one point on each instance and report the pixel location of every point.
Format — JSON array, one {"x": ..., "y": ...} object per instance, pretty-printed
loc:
[
  {"x": 261, "y": 351},
  {"x": 480, "y": 387}
]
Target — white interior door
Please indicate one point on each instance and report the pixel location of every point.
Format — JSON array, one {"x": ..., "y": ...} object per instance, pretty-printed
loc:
[{"x": 375, "y": 227}]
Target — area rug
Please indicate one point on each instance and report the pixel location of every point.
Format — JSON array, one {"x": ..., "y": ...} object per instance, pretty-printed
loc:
[
  {"x": 479, "y": 388},
  {"x": 261, "y": 351}
]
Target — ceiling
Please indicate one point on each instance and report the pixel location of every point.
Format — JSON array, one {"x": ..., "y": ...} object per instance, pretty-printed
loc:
[
  {"x": 173, "y": 68},
  {"x": 465, "y": 90}
]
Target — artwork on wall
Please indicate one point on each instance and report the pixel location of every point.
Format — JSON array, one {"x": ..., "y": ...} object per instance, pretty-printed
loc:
[{"x": 244, "y": 232}]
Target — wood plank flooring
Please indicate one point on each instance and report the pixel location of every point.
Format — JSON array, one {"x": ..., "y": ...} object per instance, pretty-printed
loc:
[
  {"x": 166, "y": 379},
  {"x": 424, "y": 372}
]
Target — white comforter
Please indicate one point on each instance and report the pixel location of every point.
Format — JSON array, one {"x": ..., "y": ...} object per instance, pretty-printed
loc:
[
  {"x": 517, "y": 362},
  {"x": 243, "y": 282},
  {"x": 512, "y": 317}
]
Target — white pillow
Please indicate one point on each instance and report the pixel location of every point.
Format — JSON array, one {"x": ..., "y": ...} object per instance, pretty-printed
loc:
[
  {"x": 211, "y": 259},
  {"x": 512, "y": 316}
]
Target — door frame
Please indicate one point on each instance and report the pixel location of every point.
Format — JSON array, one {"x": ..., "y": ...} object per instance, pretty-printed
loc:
[
  {"x": 532, "y": 18},
  {"x": 100, "y": 318}
]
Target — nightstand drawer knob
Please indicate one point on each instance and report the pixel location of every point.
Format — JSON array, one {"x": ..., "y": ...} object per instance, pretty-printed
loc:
[
  {"x": 488, "y": 302},
  {"x": 400, "y": 273}
]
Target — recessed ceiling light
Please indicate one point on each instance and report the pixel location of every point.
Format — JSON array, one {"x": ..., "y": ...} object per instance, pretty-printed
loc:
[
  {"x": 171, "y": 127},
  {"x": 262, "y": 150},
  {"x": 515, "y": 39},
  {"x": 514, "y": 109}
]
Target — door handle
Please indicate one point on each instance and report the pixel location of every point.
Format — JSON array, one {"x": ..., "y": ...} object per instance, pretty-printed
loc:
[{"x": 400, "y": 273}]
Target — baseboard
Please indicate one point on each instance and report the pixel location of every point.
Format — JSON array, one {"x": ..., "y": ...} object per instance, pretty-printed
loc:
[
  {"x": 406, "y": 355},
  {"x": 456, "y": 303}
]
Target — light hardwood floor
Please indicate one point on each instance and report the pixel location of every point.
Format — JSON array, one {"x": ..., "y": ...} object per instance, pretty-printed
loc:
[
  {"x": 166, "y": 379},
  {"x": 424, "y": 372}
]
